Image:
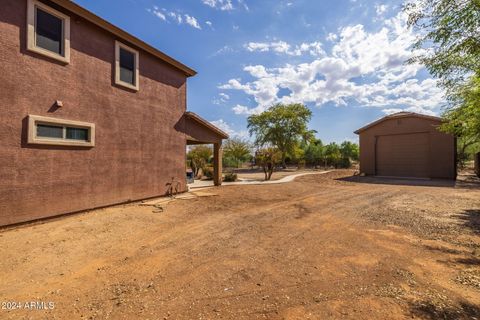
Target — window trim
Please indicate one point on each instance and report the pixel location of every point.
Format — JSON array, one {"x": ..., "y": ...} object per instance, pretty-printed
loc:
[
  {"x": 119, "y": 82},
  {"x": 34, "y": 139},
  {"x": 31, "y": 31}
]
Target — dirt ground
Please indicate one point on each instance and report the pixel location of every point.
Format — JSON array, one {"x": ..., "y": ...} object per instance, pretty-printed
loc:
[{"x": 322, "y": 247}]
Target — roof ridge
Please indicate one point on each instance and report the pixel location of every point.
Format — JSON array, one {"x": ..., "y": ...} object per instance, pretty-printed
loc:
[{"x": 395, "y": 115}]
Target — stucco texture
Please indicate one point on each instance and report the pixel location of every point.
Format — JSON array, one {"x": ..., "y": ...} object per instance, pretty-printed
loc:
[{"x": 140, "y": 144}]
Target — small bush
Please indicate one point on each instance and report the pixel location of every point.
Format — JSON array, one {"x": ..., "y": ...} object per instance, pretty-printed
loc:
[
  {"x": 230, "y": 177},
  {"x": 229, "y": 162},
  {"x": 345, "y": 163},
  {"x": 208, "y": 172}
]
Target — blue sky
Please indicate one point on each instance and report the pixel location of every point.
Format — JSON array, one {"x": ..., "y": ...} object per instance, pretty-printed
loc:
[{"x": 344, "y": 59}]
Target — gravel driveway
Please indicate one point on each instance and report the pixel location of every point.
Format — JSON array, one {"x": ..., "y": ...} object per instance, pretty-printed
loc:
[{"x": 322, "y": 247}]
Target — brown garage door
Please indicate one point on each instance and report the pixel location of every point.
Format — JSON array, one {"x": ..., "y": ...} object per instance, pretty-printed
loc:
[{"x": 403, "y": 155}]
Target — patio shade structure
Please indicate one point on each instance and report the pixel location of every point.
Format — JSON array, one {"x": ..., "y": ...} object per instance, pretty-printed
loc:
[{"x": 200, "y": 131}]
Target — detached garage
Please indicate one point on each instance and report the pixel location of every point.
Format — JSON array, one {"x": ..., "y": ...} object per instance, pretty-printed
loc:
[{"x": 407, "y": 145}]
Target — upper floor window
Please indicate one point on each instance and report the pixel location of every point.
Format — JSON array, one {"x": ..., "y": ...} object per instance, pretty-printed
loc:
[
  {"x": 48, "y": 31},
  {"x": 126, "y": 66}
]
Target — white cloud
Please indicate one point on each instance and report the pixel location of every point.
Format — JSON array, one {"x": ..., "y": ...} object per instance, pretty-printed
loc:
[
  {"x": 243, "y": 110},
  {"x": 157, "y": 12},
  {"x": 223, "y": 125},
  {"x": 257, "y": 71},
  {"x": 365, "y": 68},
  {"x": 332, "y": 37},
  {"x": 176, "y": 16},
  {"x": 221, "y": 99},
  {"x": 282, "y": 47},
  {"x": 192, "y": 21},
  {"x": 243, "y": 4},
  {"x": 380, "y": 9},
  {"x": 223, "y": 50},
  {"x": 417, "y": 109},
  {"x": 225, "y": 5},
  {"x": 172, "y": 16}
]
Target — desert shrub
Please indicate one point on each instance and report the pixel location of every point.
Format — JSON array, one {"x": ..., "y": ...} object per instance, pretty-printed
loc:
[
  {"x": 230, "y": 162},
  {"x": 345, "y": 163},
  {"x": 230, "y": 177},
  {"x": 208, "y": 172},
  {"x": 198, "y": 157}
]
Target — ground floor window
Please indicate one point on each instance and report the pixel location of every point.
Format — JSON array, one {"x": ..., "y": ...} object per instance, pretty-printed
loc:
[{"x": 53, "y": 131}]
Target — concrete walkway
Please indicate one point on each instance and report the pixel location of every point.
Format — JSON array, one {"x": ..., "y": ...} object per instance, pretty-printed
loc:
[{"x": 206, "y": 184}]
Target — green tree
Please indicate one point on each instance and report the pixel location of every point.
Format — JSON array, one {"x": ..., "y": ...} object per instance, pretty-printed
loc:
[
  {"x": 236, "y": 151},
  {"x": 349, "y": 150},
  {"x": 449, "y": 31},
  {"x": 308, "y": 136},
  {"x": 464, "y": 121},
  {"x": 314, "y": 152},
  {"x": 268, "y": 159},
  {"x": 281, "y": 126},
  {"x": 198, "y": 157},
  {"x": 332, "y": 154}
]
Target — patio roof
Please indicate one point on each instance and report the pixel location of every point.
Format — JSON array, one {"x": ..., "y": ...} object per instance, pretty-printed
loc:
[{"x": 200, "y": 131}]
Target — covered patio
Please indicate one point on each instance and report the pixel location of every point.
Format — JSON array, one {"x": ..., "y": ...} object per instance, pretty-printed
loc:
[{"x": 200, "y": 131}]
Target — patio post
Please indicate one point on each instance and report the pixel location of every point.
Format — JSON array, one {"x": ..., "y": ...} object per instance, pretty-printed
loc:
[{"x": 217, "y": 163}]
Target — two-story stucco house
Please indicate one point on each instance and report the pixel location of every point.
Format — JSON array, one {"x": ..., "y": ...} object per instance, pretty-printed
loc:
[{"x": 90, "y": 115}]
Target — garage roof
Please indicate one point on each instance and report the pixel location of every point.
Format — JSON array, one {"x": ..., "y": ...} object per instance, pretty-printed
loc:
[
  {"x": 397, "y": 115},
  {"x": 89, "y": 16}
]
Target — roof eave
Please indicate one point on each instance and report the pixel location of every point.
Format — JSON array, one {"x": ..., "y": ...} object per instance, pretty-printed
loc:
[
  {"x": 396, "y": 116},
  {"x": 196, "y": 117}
]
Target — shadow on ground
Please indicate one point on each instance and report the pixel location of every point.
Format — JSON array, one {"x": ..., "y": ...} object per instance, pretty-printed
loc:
[
  {"x": 401, "y": 182},
  {"x": 430, "y": 310},
  {"x": 464, "y": 181},
  {"x": 471, "y": 219},
  {"x": 468, "y": 181}
]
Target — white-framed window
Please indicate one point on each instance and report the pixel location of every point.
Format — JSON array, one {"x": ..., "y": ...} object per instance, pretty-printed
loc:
[
  {"x": 126, "y": 66},
  {"x": 53, "y": 131},
  {"x": 48, "y": 31}
]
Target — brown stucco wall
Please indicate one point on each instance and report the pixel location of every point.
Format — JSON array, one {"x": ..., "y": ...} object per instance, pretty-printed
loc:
[
  {"x": 441, "y": 151},
  {"x": 140, "y": 142}
]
